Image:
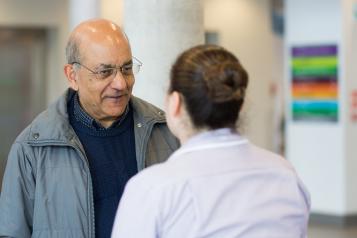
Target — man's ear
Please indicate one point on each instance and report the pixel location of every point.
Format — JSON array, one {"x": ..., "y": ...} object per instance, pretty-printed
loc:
[{"x": 71, "y": 76}]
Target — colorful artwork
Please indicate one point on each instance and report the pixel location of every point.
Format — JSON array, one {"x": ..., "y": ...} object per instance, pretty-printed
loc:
[{"x": 314, "y": 85}]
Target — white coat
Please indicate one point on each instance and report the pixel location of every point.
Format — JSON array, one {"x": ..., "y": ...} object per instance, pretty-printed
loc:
[{"x": 216, "y": 185}]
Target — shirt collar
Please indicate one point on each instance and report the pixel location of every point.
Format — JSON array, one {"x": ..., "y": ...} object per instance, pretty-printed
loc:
[
  {"x": 221, "y": 134},
  {"x": 83, "y": 117},
  {"x": 218, "y": 138}
]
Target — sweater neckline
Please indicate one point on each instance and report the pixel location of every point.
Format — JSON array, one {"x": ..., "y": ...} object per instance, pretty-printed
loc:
[{"x": 82, "y": 121}]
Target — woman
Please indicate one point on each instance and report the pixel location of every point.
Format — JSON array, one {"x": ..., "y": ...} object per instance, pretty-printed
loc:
[{"x": 217, "y": 184}]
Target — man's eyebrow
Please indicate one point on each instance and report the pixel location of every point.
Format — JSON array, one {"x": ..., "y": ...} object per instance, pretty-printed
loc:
[
  {"x": 128, "y": 62},
  {"x": 106, "y": 66}
]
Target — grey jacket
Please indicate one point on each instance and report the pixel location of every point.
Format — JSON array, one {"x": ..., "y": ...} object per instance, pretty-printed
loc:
[{"x": 47, "y": 187}]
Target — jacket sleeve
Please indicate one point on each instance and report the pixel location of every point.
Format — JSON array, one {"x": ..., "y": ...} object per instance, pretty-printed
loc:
[{"x": 17, "y": 195}]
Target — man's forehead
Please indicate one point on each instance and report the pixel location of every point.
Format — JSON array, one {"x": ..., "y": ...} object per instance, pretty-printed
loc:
[
  {"x": 97, "y": 26},
  {"x": 108, "y": 45},
  {"x": 103, "y": 36},
  {"x": 100, "y": 30}
]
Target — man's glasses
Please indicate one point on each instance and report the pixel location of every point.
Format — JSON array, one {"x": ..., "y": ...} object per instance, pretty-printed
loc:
[{"x": 110, "y": 72}]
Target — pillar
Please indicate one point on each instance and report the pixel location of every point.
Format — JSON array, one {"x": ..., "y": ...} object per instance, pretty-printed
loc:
[
  {"x": 80, "y": 10},
  {"x": 158, "y": 31}
]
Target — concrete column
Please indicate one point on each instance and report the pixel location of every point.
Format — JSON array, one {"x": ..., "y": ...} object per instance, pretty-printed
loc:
[
  {"x": 80, "y": 10},
  {"x": 158, "y": 31},
  {"x": 112, "y": 10}
]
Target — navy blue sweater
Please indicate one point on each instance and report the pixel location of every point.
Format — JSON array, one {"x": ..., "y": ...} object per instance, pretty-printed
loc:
[{"x": 112, "y": 161}]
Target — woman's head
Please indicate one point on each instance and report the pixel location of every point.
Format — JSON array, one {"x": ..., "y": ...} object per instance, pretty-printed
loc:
[{"x": 212, "y": 84}]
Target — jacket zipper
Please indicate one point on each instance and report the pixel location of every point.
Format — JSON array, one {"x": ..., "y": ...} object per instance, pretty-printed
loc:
[{"x": 90, "y": 194}]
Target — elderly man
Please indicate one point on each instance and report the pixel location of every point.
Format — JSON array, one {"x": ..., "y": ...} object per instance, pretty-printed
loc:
[{"x": 67, "y": 170}]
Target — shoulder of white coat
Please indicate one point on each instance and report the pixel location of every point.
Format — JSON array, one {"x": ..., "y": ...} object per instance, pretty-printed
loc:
[{"x": 271, "y": 158}]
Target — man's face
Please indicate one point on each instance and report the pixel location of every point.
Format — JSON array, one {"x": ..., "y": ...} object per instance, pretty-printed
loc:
[{"x": 105, "y": 99}]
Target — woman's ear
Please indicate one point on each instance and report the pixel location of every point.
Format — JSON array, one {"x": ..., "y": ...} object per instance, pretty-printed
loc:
[
  {"x": 173, "y": 112},
  {"x": 176, "y": 102},
  {"x": 71, "y": 76},
  {"x": 173, "y": 106}
]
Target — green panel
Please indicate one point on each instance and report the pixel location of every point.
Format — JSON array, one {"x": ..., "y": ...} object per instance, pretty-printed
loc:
[
  {"x": 312, "y": 71},
  {"x": 315, "y": 112},
  {"x": 330, "y": 61}
]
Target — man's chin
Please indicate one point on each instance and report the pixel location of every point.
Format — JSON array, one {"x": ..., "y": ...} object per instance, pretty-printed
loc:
[{"x": 115, "y": 113}]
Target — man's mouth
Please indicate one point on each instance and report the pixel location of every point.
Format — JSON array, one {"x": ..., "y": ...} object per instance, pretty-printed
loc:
[{"x": 116, "y": 97}]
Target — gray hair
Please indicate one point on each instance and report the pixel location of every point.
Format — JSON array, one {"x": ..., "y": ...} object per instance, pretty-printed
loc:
[{"x": 72, "y": 51}]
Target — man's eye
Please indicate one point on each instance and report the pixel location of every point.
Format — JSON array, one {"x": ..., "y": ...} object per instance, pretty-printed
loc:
[
  {"x": 105, "y": 73},
  {"x": 127, "y": 70}
]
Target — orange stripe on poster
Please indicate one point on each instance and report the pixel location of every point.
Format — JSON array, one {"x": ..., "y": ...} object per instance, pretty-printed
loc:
[{"x": 315, "y": 90}]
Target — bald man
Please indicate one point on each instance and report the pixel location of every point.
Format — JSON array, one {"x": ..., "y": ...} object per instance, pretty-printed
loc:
[{"x": 66, "y": 171}]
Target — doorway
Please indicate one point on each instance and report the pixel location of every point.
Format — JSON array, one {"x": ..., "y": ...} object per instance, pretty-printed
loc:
[{"x": 22, "y": 83}]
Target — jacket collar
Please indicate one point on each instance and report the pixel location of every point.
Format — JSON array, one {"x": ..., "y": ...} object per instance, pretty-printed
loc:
[{"x": 145, "y": 112}]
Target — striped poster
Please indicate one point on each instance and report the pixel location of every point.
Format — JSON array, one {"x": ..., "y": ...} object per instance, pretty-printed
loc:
[{"x": 314, "y": 85}]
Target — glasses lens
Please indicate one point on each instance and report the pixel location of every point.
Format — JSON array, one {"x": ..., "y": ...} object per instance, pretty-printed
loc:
[
  {"x": 105, "y": 73},
  {"x": 136, "y": 68},
  {"x": 127, "y": 70},
  {"x": 136, "y": 65}
]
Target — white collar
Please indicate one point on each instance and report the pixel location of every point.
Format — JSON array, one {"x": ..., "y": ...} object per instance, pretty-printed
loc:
[{"x": 212, "y": 139}]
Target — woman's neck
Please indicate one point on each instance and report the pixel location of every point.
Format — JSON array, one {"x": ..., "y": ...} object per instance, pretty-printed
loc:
[{"x": 187, "y": 133}]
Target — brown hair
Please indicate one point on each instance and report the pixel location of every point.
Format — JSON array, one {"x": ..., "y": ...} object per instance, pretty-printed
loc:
[{"x": 212, "y": 83}]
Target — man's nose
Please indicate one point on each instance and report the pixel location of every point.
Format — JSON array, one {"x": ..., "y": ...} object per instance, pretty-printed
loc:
[{"x": 119, "y": 81}]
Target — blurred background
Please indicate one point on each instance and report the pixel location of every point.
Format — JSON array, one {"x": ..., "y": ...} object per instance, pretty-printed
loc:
[{"x": 300, "y": 55}]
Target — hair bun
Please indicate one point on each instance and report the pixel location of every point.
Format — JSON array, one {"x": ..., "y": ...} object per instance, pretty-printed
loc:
[
  {"x": 212, "y": 82},
  {"x": 225, "y": 82}
]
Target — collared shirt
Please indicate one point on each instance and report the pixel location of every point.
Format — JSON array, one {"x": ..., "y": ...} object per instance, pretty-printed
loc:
[
  {"x": 83, "y": 117},
  {"x": 216, "y": 185}
]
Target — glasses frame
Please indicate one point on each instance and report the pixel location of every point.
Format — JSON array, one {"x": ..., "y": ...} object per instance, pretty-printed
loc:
[{"x": 135, "y": 63}]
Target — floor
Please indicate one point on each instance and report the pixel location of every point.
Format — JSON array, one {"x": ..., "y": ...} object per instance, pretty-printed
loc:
[{"x": 328, "y": 231}]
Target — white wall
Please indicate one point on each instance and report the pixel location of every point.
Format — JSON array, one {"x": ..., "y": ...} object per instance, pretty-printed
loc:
[
  {"x": 317, "y": 149},
  {"x": 349, "y": 33},
  {"x": 244, "y": 28},
  {"x": 49, "y": 14}
]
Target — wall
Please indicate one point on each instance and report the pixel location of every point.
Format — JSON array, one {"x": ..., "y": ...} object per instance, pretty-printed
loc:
[
  {"x": 349, "y": 33},
  {"x": 54, "y": 16},
  {"x": 244, "y": 28},
  {"x": 317, "y": 149},
  {"x": 49, "y": 14}
]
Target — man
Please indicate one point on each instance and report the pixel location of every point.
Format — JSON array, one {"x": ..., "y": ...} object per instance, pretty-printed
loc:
[{"x": 67, "y": 170}]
